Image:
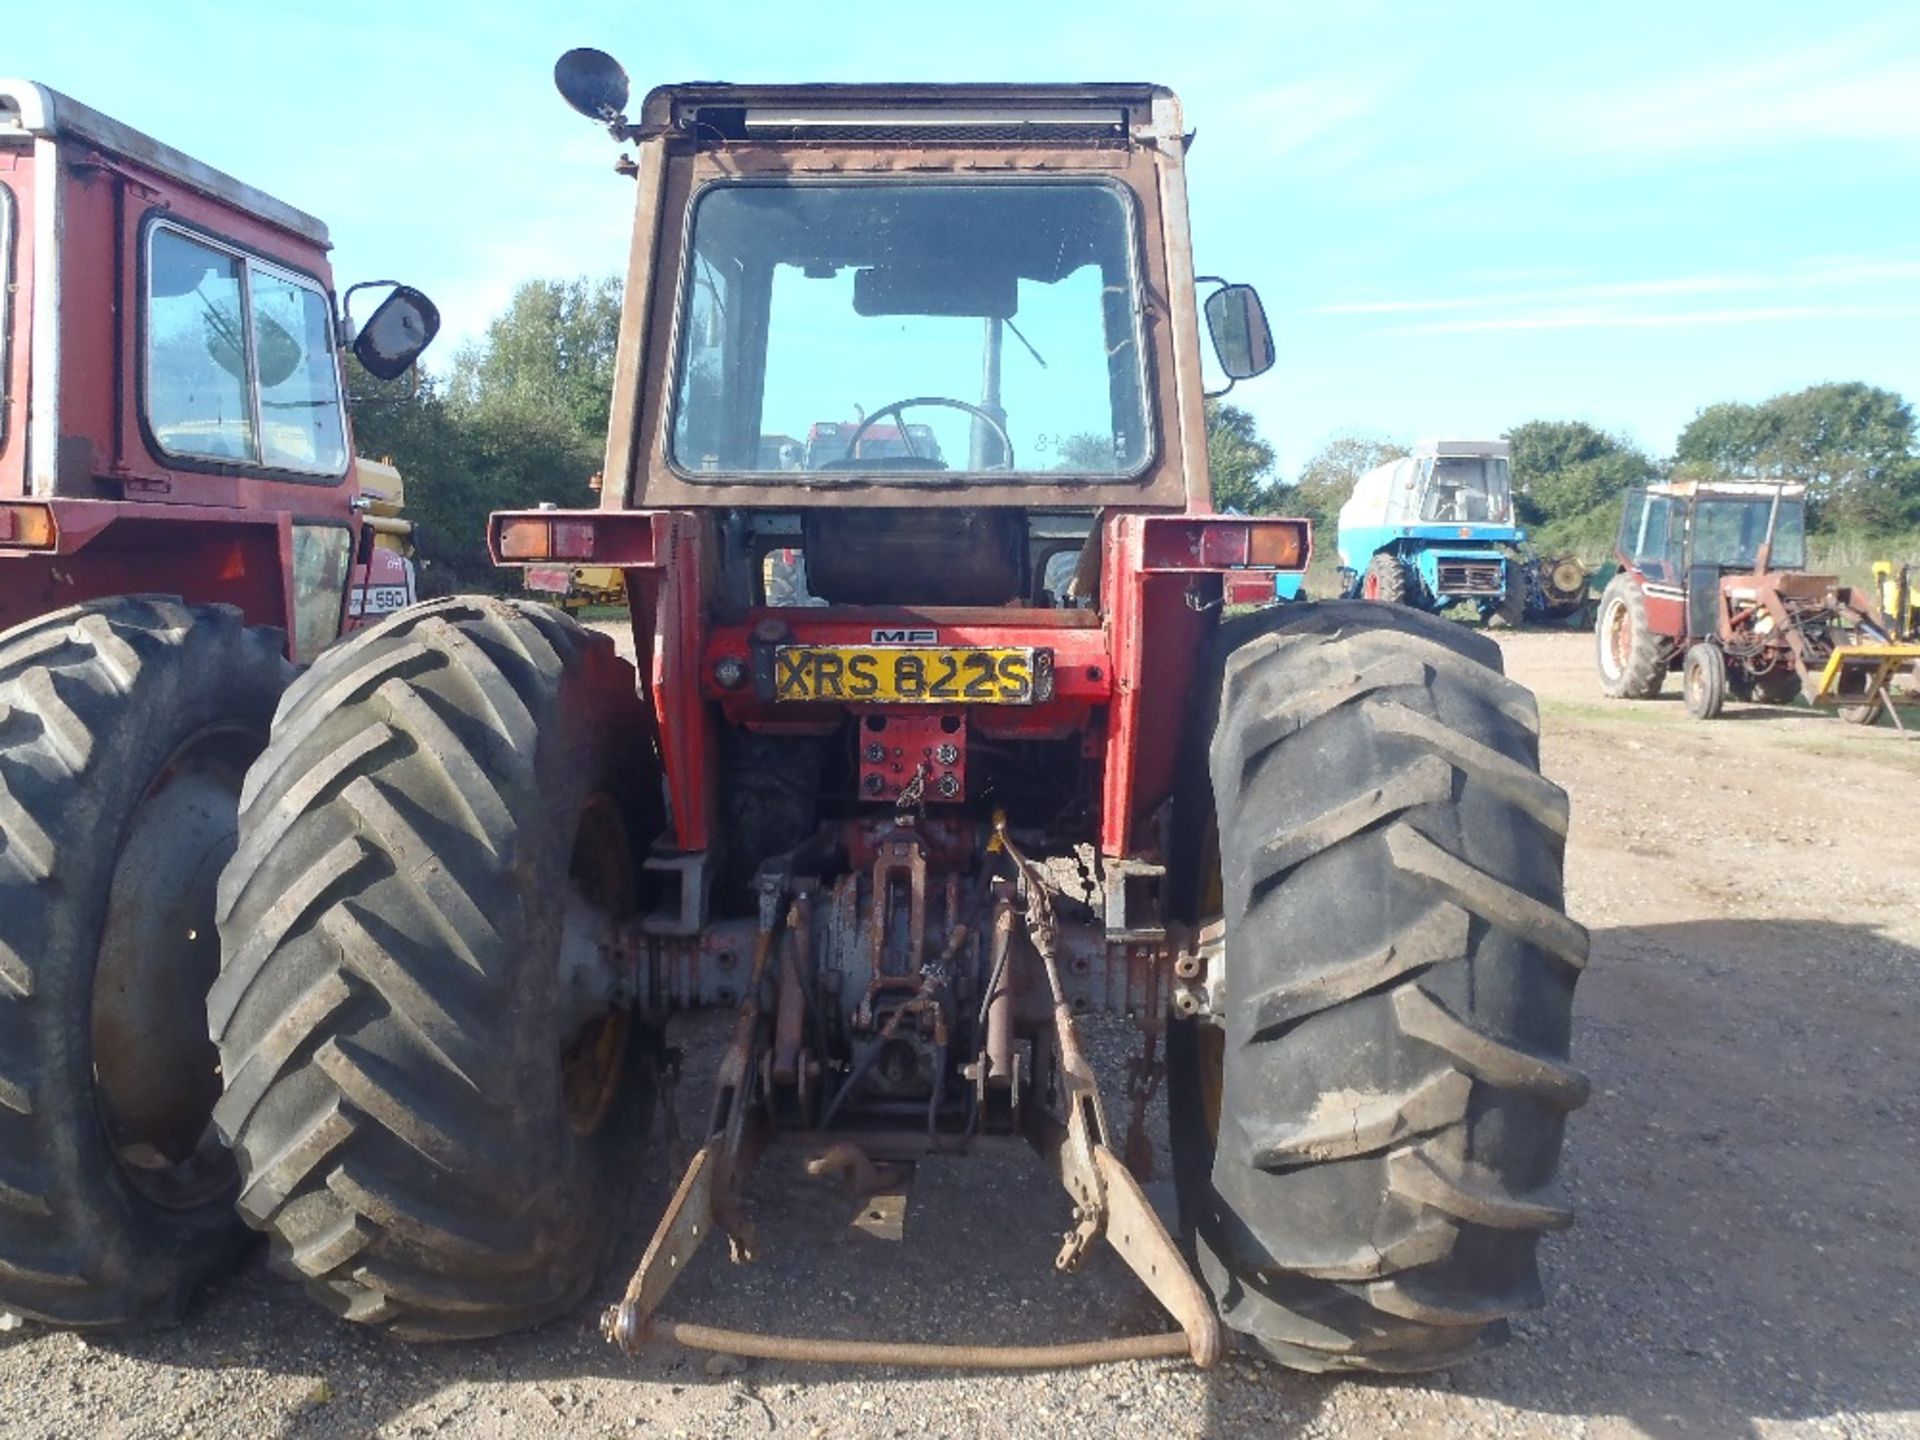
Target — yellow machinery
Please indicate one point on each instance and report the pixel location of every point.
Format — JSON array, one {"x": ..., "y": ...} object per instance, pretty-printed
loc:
[
  {"x": 1899, "y": 602},
  {"x": 576, "y": 587}
]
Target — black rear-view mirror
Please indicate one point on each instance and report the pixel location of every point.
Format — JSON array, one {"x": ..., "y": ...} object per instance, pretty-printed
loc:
[
  {"x": 397, "y": 333},
  {"x": 1238, "y": 324}
]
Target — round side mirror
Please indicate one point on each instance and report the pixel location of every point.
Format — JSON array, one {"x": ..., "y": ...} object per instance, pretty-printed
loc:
[{"x": 592, "y": 82}]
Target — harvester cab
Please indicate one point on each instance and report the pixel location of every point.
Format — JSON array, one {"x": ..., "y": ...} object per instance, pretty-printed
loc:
[
  {"x": 1712, "y": 583},
  {"x": 1436, "y": 529},
  {"x": 937, "y": 747}
]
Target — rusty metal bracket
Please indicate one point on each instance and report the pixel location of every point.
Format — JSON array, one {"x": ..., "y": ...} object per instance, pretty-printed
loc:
[
  {"x": 1107, "y": 1199},
  {"x": 687, "y": 1223}
]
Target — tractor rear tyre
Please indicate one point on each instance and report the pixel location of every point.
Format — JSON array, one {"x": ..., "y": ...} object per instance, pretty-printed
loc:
[
  {"x": 126, "y": 729},
  {"x": 437, "y": 1112},
  {"x": 1632, "y": 659},
  {"x": 1385, "y": 580},
  {"x": 1366, "y": 1152},
  {"x": 1703, "y": 680}
]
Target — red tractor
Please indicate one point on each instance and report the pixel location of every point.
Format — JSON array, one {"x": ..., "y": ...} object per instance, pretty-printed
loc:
[
  {"x": 181, "y": 521},
  {"x": 1713, "y": 583},
  {"x": 912, "y": 825}
]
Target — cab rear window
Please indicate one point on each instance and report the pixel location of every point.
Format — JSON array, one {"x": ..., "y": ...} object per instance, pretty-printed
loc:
[
  {"x": 6, "y": 306},
  {"x": 240, "y": 361}
]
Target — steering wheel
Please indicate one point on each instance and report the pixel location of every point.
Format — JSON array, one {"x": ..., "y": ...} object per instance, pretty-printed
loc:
[{"x": 1006, "y": 442}]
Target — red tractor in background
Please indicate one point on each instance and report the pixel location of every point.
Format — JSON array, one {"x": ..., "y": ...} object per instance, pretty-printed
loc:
[
  {"x": 1713, "y": 583},
  {"x": 910, "y": 825},
  {"x": 182, "y": 521}
]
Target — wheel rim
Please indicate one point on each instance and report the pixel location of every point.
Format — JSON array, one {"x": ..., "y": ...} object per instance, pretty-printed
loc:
[
  {"x": 1370, "y": 587},
  {"x": 1213, "y": 1038},
  {"x": 156, "y": 1071},
  {"x": 593, "y": 1059},
  {"x": 1619, "y": 638},
  {"x": 1696, "y": 687}
]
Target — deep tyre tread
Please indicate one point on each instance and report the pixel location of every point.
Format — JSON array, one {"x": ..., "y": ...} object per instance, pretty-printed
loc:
[
  {"x": 390, "y": 1007},
  {"x": 96, "y": 701},
  {"x": 1641, "y": 671},
  {"x": 1385, "y": 580},
  {"x": 1394, "y": 1076}
]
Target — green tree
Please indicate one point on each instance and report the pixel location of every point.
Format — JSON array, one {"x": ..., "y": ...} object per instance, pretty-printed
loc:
[
  {"x": 521, "y": 419},
  {"x": 1568, "y": 478},
  {"x": 1240, "y": 462},
  {"x": 1327, "y": 479},
  {"x": 554, "y": 345},
  {"x": 1852, "y": 445}
]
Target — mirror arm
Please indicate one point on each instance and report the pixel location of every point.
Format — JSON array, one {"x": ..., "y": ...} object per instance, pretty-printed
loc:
[{"x": 1200, "y": 305}]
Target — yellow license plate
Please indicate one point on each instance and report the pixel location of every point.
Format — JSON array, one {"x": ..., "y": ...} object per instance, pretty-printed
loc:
[{"x": 904, "y": 674}]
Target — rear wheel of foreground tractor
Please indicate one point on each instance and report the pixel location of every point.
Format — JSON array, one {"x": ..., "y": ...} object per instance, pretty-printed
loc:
[
  {"x": 1703, "y": 680},
  {"x": 1385, "y": 580},
  {"x": 1632, "y": 659},
  {"x": 1366, "y": 1152},
  {"x": 437, "y": 1121},
  {"x": 126, "y": 728}
]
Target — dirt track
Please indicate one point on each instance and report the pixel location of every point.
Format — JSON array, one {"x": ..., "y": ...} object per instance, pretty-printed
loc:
[{"x": 1747, "y": 1258}]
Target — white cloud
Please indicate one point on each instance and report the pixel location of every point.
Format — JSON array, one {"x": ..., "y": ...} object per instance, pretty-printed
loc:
[
  {"x": 1871, "y": 282},
  {"x": 1860, "y": 86},
  {"x": 1610, "y": 319}
]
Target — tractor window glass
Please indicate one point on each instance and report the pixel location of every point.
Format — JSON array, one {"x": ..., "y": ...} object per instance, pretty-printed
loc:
[
  {"x": 1632, "y": 514},
  {"x": 240, "y": 364},
  {"x": 906, "y": 328},
  {"x": 1729, "y": 533},
  {"x": 1465, "y": 489},
  {"x": 6, "y": 308},
  {"x": 199, "y": 401},
  {"x": 1650, "y": 541},
  {"x": 320, "y": 563},
  {"x": 300, "y": 425}
]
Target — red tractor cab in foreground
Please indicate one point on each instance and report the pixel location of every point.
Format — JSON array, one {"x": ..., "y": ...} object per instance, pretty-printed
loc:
[
  {"x": 1713, "y": 583},
  {"x": 181, "y": 519},
  {"x": 976, "y": 758}
]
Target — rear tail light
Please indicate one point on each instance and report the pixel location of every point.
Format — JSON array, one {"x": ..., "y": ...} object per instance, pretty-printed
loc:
[
  {"x": 525, "y": 538},
  {"x": 27, "y": 527},
  {"x": 1223, "y": 545},
  {"x": 1281, "y": 544}
]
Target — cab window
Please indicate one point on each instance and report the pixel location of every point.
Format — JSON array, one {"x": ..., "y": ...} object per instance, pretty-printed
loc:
[
  {"x": 240, "y": 365},
  {"x": 6, "y": 304}
]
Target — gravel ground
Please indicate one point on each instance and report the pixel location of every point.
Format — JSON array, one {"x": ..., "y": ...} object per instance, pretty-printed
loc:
[{"x": 1745, "y": 1260}]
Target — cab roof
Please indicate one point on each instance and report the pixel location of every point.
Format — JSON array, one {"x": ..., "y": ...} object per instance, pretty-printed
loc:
[
  {"x": 1740, "y": 489},
  {"x": 34, "y": 111},
  {"x": 909, "y": 113}
]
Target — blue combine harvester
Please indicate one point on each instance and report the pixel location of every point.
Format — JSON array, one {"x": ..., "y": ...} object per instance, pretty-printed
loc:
[{"x": 1436, "y": 529}]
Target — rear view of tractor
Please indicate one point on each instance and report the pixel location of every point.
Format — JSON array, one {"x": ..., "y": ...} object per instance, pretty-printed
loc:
[
  {"x": 181, "y": 521},
  {"x": 937, "y": 746},
  {"x": 1713, "y": 583},
  {"x": 1435, "y": 529}
]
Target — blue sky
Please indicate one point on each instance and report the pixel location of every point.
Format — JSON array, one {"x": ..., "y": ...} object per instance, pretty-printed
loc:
[{"x": 1461, "y": 217}]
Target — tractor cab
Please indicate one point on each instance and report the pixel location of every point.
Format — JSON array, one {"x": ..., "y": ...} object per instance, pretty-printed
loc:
[
  {"x": 1667, "y": 530},
  {"x": 173, "y": 410}
]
